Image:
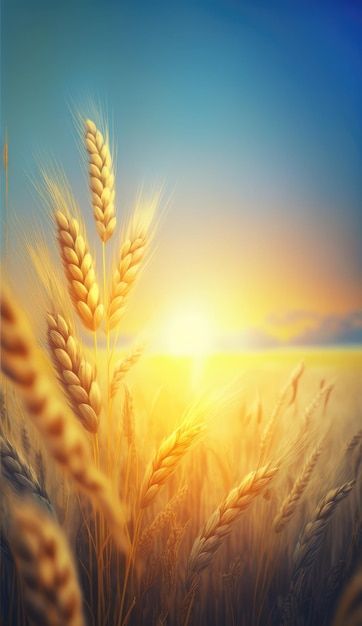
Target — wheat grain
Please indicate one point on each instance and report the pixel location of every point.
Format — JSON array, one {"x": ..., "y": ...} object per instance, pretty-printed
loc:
[
  {"x": 79, "y": 270},
  {"x": 168, "y": 456},
  {"x": 312, "y": 535},
  {"x": 21, "y": 362},
  {"x": 75, "y": 373},
  {"x": 45, "y": 565},
  {"x": 220, "y": 523},
  {"x": 101, "y": 178},
  {"x": 122, "y": 367},
  {"x": 289, "y": 505}
]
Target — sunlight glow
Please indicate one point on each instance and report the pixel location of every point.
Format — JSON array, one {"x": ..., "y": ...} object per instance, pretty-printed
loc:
[{"x": 190, "y": 332}]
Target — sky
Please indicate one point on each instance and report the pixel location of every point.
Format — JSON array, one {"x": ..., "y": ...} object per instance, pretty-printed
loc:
[{"x": 249, "y": 116}]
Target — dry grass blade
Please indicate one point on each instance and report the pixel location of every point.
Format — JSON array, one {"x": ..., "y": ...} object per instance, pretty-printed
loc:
[
  {"x": 101, "y": 177},
  {"x": 21, "y": 362},
  {"x": 167, "y": 458},
  {"x": 289, "y": 505},
  {"x": 79, "y": 269},
  {"x": 131, "y": 257},
  {"x": 45, "y": 565},
  {"x": 312, "y": 535},
  {"x": 76, "y": 374},
  {"x": 122, "y": 367},
  {"x": 19, "y": 475},
  {"x": 220, "y": 523}
]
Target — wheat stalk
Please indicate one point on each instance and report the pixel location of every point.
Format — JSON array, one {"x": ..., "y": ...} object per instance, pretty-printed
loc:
[
  {"x": 128, "y": 420},
  {"x": 168, "y": 456},
  {"x": 312, "y": 535},
  {"x": 75, "y": 373},
  {"x": 349, "y": 609},
  {"x": 122, "y": 367},
  {"x": 19, "y": 474},
  {"x": 131, "y": 256},
  {"x": 289, "y": 505},
  {"x": 45, "y": 565},
  {"x": 79, "y": 270},
  {"x": 101, "y": 178},
  {"x": 61, "y": 432},
  {"x": 220, "y": 523}
]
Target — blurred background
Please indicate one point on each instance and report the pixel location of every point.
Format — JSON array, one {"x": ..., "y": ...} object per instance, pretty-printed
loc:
[{"x": 248, "y": 114}]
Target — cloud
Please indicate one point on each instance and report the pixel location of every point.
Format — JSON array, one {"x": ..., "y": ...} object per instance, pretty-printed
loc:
[
  {"x": 333, "y": 330},
  {"x": 316, "y": 330}
]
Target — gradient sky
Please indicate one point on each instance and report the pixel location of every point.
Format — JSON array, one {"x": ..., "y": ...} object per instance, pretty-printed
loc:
[{"x": 250, "y": 115}]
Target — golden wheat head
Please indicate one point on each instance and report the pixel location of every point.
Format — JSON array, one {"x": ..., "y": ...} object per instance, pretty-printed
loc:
[
  {"x": 76, "y": 374},
  {"x": 22, "y": 363},
  {"x": 131, "y": 258},
  {"x": 290, "y": 503},
  {"x": 79, "y": 270},
  {"x": 101, "y": 178},
  {"x": 220, "y": 523},
  {"x": 45, "y": 565},
  {"x": 312, "y": 535},
  {"x": 122, "y": 368},
  {"x": 167, "y": 458}
]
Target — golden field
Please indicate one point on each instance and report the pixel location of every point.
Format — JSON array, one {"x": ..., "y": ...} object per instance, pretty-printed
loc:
[{"x": 248, "y": 580}]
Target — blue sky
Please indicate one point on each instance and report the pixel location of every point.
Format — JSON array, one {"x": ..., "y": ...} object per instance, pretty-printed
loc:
[{"x": 248, "y": 112}]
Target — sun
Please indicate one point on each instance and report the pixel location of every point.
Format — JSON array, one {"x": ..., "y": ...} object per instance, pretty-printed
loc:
[{"x": 190, "y": 332}]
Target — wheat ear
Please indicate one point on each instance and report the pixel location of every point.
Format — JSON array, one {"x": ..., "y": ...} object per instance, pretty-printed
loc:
[
  {"x": 61, "y": 432},
  {"x": 168, "y": 456},
  {"x": 79, "y": 270},
  {"x": 132, "y": 254},
  {"x": 76, "y": 374},
  {"x": 291, "y": 388},
  {"x": 45, "y": 565},
  {"x": 312, "y": 535},
  {"x": 122, "y": 367},
  {"x": 101, "y": 178},
  {"x": 289, "y": 505},
  {"x": 355, "y": 441},
  {"x": 161, "y": 521},
  {"x": 19, "y": 474},
  {"x": 220, "y": 523}
]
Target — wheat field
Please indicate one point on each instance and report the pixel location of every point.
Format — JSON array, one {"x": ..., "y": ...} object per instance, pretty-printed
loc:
[{"x": 148, "y": 489}]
